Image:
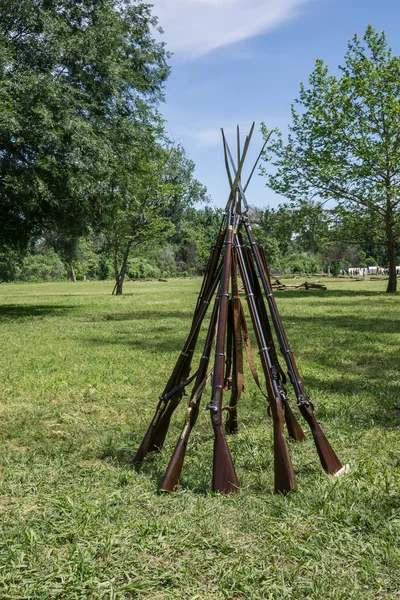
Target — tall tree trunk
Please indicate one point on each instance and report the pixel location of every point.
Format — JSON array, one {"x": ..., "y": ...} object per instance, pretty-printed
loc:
[
  {"x": 121, "y": 275},
  {"x": 70, "y": 245},
  {"x": 390, "y": 242},
  {"x": 73, "y": 275},
  {"x": 392, "y": 283},
  {"x": 116, "y": 255}
]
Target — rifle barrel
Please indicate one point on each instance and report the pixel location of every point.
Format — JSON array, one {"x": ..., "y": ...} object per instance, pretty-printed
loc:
[
  {"x": 293, "y": 426},
  {"x": 224, "y": 475},
  {"x": 284, "y": 476}
]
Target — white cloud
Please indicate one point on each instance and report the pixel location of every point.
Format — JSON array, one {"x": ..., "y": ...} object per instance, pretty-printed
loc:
[
  {"x": 208, "y": 137},
  {"x": 195, "y": 27},
  {"x": 208, "y": 134}
]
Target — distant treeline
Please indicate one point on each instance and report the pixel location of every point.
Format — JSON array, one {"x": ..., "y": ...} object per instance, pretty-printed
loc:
[{"x": 296, "y": 240}]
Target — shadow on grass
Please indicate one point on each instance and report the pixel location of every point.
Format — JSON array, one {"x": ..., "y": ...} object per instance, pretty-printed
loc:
[
  {"x": 161, "y": 339},
  {"x": 144, "y": 315},
  {"x": 168, "y": 338},
  {"x": 379, "y": 406},
  {"x": 15, "y": 311},
  {"x": 373, "y": 324}
]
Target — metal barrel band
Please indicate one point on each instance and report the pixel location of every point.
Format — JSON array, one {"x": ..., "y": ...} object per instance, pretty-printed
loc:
[{"x": 264, "y": 350}]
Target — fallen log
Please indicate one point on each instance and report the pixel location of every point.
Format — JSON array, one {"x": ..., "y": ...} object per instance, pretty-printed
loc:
[{"x": 306, "y": 285}]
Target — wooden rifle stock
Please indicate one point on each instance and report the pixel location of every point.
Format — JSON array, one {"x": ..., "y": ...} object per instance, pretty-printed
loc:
[
  {"x": 284, "y": 477},
  {"x": 171, "y": 477},
  {"x": 294, "y": 428},
  {"x": 329, "y": 461},
  {"x": 161, "y": 430},
  {"x": 224, "y": 475}
]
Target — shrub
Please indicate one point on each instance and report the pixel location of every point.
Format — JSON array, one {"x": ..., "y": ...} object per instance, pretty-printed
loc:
[{"x": 43, "y": 266}]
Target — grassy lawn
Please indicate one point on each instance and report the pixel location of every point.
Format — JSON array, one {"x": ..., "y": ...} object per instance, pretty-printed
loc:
[{"x": 80, "y": 372}]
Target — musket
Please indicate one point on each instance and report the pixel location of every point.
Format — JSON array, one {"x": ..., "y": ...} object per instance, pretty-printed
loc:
[
  {"x": 229, "y": 349},
  {"x": 224, "y": 475},
  {"x": 172, "y": 474},
  {"x": 329, "y": 461},
  {"x": 157, "y": 431},
  {"x": 231, "y": 424},
  {"x": 285, "y": 480},
  {"x": 293, "y": 426}
]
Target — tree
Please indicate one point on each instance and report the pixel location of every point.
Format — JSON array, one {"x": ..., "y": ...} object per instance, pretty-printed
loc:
[
  {"x": 344, "y": 141},
  {"x": 291, "y": 227},
  {"x": 66, "y": 247},
  {"x": 74, "y": 76},
  {"x": 195, "y": 236},
  {"x": 144, "y": 206},
  {"x": 185, "y": 189},
  {"x": 137, "y": 202}
]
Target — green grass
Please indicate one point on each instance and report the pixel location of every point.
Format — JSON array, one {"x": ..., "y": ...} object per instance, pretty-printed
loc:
[{"x": 80, "y": 372}]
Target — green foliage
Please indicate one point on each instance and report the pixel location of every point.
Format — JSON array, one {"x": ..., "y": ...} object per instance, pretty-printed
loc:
[
  {"x": 371, "y": 262},
  {"x": 79, "y": 85},
  {"x": 196, "y": 234},
  {"x": 42, "y": 266},
  {"x": 184, "y": 189},
  {"x": 340, "y": 256},
  {"x": 10, "y": 264},
  {"x": 343, "y": 142},
  {"x": 291, "y": 229},
  {"x": 164, "y": 258},
  {"x": 143, "y": 213},
  {"x": 81, "y": 372},
  {"x": 139, "y": 268},
  {"x": 300, "y": 263}
]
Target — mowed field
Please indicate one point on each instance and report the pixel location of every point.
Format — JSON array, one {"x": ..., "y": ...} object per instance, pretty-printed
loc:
[{"x": 80, "y": 372}]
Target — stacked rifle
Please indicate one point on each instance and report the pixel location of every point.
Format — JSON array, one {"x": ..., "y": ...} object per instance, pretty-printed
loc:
[{"x": 227, "y": 329}]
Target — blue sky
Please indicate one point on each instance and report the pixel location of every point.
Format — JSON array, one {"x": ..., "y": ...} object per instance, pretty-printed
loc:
[{"x": 238, "y": 61}]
